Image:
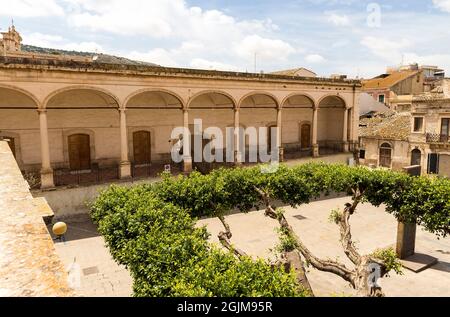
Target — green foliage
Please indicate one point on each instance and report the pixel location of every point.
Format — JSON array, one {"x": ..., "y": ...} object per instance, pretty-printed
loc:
[
  {"x": 151, "y": 228},
  {"x": 335, "y": 216},
  {"x": 168, "y": 256},
  {"x": 390, "y": 259}
]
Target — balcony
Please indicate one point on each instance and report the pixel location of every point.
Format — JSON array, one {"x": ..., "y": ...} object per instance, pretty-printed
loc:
[{"x": 438, "y": 138}]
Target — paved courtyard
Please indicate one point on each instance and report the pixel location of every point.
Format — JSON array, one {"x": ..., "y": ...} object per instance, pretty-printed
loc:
[{"x": 255, "y": 234}]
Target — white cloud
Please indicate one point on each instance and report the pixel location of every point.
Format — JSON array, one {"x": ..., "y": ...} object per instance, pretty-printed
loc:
[
  {"x": 158, "y": 56},
  {"x": 263, "y": 47},
  {"x": 443, "y": 5},
  {"x": 200, "y": 63},
  {"x": 42, "y": 40},
  {"x": 389, "y": 50},
  {"x": 338, "y": 20},
  {"x": 197, "y": 36},
  {"x": 58, "y": 42},
  {"x": 30, "y": 8},
  {"x": 315, "y": 59}
]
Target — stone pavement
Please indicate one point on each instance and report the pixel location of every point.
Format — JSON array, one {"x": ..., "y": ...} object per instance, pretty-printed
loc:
[
  {"x": 99, "y": 275},
  {"x": 372, "y": 228}
]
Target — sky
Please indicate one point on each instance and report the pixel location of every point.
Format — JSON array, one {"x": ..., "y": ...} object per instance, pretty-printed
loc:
[{"x": 358, "y": 38}]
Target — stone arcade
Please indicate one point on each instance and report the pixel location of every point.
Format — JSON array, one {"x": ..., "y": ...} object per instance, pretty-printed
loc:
[{"x": 64, "y": 113}]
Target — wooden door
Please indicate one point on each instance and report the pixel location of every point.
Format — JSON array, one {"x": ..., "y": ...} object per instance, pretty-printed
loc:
[
  {"x": 142, "y": 147},
  {"x": 79, "y": 152},
  {"x": 306, "y": 136},
  {"x": 385, "y": 155}
]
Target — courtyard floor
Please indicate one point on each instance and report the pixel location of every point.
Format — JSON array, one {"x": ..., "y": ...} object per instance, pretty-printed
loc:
[{"x": 372, "y": 228}]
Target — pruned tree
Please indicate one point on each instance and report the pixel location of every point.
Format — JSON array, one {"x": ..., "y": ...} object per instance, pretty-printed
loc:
[{"x": 368, "y": 268}]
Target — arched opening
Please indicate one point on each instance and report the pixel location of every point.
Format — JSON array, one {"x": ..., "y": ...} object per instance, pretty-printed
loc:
[
  {"x": 211, "y": 109},
  {"x": 142, "y": 148},
  {"x": 416, "y": 157},
  {"x": 69, "y": 112},
  {"x": 151, "y": 117},
  {"x": 298, "y": 111},
  {"x": 18, "y": 110},
  {"x": 385, "y": 155},
  {"x": 259, "y": 110},
  {"x": 79, "y": 147},
  {"x": 330, "y": 128}
]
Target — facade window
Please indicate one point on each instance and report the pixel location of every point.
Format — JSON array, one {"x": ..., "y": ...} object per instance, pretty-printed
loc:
[
  {"x": 445, "y": 127},
  {"x": 381, "y": 98},
  {"x": 362, "y": 154},
  {"x": 418, "y": 124},
  {"x": 386, "y": 155},
  {"x": 433, "y": 163},
  {"x": 416, "y": 157}
]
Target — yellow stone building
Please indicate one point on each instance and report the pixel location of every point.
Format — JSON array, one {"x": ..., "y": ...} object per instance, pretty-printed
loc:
[{"x": 71, "y": 115}]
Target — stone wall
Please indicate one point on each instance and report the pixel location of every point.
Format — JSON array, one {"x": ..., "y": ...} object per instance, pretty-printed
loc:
[{"x": 29, "y": 265}]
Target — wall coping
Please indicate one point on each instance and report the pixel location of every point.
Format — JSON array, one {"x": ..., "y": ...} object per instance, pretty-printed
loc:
[{"x": 29, "y": 265}]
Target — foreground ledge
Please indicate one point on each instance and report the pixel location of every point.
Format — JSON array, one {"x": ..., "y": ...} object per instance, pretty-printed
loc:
[{"x": 29, "y": 265}]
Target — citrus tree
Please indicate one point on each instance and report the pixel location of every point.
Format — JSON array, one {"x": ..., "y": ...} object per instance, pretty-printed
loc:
[{"x": 151, "y": 228}]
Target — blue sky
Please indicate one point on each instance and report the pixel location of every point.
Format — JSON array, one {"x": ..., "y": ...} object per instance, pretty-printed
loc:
[{"x": 353, "y": 37}]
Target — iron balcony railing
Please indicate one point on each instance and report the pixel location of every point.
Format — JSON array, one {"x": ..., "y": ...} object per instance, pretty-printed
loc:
[{"x": 437, "y": 138}]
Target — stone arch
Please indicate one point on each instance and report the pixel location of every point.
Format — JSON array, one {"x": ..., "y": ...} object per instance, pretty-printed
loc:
[
  {"x": 159, "y": 92},
  {"x": 104, "y": 95},
  {"x": 34, "y": 100},
  {"x": 263, "y": 94},
  {"x": 294, "y": 95},
  {"x": 332, "y": 103},
  {"x": 209, "y": 93}
]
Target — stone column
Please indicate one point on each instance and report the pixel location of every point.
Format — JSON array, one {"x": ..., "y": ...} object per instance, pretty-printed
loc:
[
  {"x": 345, "y": 132},
  {"x": 237, "y": 138},
  {"x": 47, "y": 180},
  {"x": 125, "y": 166},
  {"x": 314, "y": 132},
  {"x": 187, "y": 158},
  {"x": 280, "y": 135}
]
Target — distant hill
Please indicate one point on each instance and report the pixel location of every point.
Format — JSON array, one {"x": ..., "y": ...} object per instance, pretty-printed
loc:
[{"x": 102, "y": 58}]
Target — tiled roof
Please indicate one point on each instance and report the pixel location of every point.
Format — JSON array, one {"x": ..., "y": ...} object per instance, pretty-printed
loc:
[
  {"x": 388, "y": 125},
  {"x": 292, "y": 72},
  {"x": 389, "y": 81}
]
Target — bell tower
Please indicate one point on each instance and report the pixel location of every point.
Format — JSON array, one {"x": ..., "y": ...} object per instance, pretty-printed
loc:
[{"x": 11, "y": 41}]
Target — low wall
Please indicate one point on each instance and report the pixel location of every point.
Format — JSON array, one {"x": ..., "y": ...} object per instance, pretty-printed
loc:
[
  {"x": 29, "y": 265},
  {"x": 71, "y": 202}
]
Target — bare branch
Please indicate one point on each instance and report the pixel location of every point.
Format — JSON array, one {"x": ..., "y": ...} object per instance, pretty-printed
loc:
[
  {"x": 322, "y": 265},
  {"x": 345, "y": 228},
  {"x": 224, "y": 238}
]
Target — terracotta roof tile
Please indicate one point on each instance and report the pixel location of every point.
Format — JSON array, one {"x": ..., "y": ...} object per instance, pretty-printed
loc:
[
  {"x": 388, "y": 125},
  {"x": 389, "y": 81}
]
